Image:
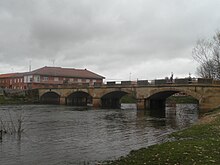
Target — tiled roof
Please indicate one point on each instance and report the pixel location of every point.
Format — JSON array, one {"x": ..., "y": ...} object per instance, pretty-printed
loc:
[
  {"x": 20, "y": 74},
  {"x": 7, "y": 75},
  {"x": 66, "y": 72}
]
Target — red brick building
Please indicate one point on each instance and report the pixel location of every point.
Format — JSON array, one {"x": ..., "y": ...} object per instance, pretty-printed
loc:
[
  {"x": 12, "y": 80},
  {"x": 49, "y": 77}
]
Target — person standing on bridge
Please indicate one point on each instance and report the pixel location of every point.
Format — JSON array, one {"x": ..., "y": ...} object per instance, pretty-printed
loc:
[
  {"x": 189, "y": 79},
  {"x": 171, "y": 77}
]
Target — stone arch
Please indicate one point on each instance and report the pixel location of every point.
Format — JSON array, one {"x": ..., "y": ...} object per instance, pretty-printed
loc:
[
  {"x": 79, "y": 98},
  {"x": 171, "y": 91},
  {"x": 156, "y": 99},
  {"x": 112, "y": 99},
  {"x": 50, "y": 98}
]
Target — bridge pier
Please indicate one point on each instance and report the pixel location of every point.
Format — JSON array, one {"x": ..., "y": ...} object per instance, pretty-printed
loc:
[
  {"x": 141, "y": 104},
  {"x": 96, "y": 102},
  {"x": 147, "y": 104},
  {"x": 62, "y": 101}
]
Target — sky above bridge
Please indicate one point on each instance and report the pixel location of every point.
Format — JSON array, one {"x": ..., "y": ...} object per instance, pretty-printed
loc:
[{"x": 119, "y": 39}]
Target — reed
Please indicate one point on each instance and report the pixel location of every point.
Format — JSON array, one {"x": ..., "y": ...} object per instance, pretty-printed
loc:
[{"x": 11, "y": 124}]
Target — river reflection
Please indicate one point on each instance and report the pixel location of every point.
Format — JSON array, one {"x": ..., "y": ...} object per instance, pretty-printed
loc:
[{"x": 66, "y": 135}]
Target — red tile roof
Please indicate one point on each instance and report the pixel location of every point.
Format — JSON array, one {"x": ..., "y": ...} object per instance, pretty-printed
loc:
[
  {"x": 65, "y": 72},
  {"x": 7, "y": 75}
]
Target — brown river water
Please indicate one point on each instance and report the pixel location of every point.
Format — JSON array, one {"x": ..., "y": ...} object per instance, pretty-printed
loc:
[{"x": 65, "y": 135}]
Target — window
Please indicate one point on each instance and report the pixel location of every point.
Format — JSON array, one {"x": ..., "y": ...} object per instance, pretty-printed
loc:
[
  {"x": 27, "y": 79},
  {"x": 56, "y": 78},
  {"x": 36, "y": 78},
  {"x": 79, "y": 80},
  {"x": 87, "y": 80},
  {"x": 45, "y": 78}
]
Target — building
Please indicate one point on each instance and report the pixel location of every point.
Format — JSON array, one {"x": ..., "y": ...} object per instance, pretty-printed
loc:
[
  {"x": 49, "y": 77},
  {"x": 12, "y": 80}
]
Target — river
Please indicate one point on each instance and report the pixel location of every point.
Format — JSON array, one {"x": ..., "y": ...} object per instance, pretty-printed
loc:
[{"x": 65, "y": 135}]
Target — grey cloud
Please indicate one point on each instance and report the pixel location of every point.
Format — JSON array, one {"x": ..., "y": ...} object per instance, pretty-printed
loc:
[{"x": 104, "y": 35}]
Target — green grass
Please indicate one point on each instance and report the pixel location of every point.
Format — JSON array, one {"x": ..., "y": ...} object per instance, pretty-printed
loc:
[
  {"x": 128, "y": 99},
  {"x": 15, "y": 100},
  {"x": 2, "y": 99},
  {"x": 199, "y": 144},
  {"x": 181, "y": 100}
]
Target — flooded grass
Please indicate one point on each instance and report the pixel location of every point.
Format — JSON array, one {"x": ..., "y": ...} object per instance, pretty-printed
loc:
[{"x": 199, "y": 144}]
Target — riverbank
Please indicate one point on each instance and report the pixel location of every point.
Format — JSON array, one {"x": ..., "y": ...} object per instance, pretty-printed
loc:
[
  {"x": 12, "y": 100},
  {"x": 10, "y": 96},
  {"x": 199, "y": 144}
]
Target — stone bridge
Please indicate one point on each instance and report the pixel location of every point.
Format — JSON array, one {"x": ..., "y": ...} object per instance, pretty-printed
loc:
[{"x": 147, "y": 96}]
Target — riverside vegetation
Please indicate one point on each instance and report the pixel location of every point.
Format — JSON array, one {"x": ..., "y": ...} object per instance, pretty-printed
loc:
[
  {"x": 199, "y": 144},
  {"x": 12, "y": 100},
  {"x": 11, "y": 123}
]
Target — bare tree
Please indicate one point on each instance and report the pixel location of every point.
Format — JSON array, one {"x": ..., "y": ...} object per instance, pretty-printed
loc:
[{"x": 207, "y": 54}]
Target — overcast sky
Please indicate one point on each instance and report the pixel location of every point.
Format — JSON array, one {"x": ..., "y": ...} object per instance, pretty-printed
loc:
[{"x": 118, "y": 39}]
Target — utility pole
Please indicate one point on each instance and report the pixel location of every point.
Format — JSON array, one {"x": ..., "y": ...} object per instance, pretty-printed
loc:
[{"x": 30, "y": 66}]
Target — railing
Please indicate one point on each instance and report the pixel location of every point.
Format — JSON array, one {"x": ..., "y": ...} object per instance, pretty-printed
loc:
[
  {"x": 156, "y": 82},
  {"x": 182, "y": 81}
]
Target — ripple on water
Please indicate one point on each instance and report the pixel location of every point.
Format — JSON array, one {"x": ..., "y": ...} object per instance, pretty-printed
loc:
[{"x": 65, "y": 135}]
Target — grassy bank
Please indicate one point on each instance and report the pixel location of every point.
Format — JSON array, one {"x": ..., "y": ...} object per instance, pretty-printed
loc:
[
  {"x": 12, "y": 100},
  {"x": 199, "y": 144},
  {"x": 181, "y": 100}
]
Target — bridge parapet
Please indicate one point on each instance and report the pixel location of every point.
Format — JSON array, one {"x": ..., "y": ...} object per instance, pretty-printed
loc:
[
  {"x": 156, "y": 82},
  {"x": 179, "y": 81}
]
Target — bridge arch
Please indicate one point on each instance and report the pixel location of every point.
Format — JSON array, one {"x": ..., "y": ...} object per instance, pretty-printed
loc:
[
  {"x": 50, "y": 98},
  {"x": 79, "y": 98},
  {"x": 112, "y": 99},
  {"x": 157, "y": 98},
  {"x": 170, "y": 91}
]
